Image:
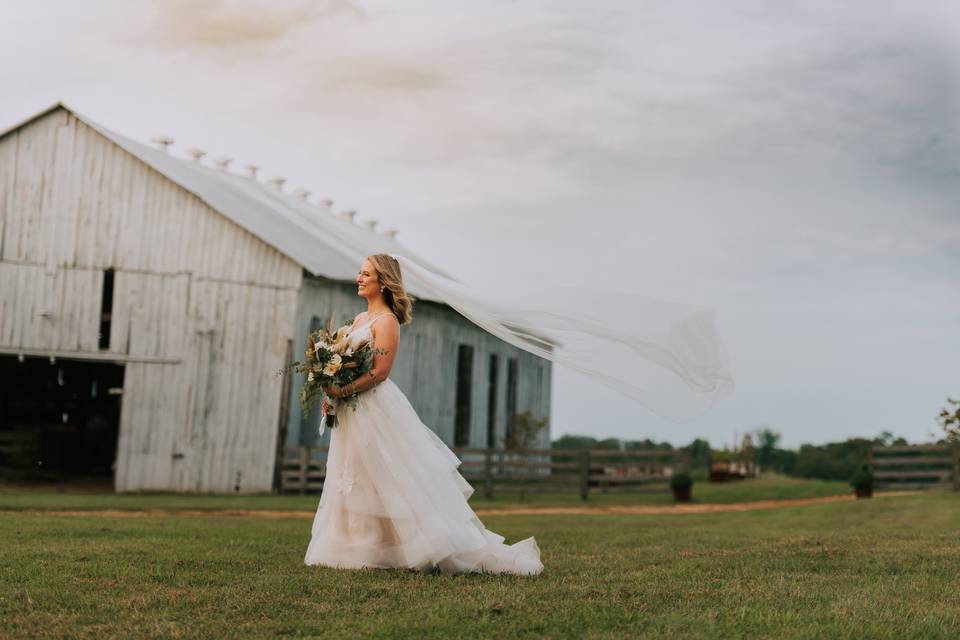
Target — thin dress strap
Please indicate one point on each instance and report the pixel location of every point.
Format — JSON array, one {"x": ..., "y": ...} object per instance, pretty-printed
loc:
[{"x": 370, "y": 319}]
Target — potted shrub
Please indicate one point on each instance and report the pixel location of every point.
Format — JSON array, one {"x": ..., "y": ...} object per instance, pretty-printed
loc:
[
  {"x": 681, "y": 484},
  {"x": 862, "y": 482}
]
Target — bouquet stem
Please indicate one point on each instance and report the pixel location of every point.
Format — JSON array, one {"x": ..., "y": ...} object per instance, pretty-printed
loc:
[{"x": 330, "y": 419}]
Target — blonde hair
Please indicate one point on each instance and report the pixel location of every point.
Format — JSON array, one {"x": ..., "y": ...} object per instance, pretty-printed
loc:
[{"x": 391, "y": 280}]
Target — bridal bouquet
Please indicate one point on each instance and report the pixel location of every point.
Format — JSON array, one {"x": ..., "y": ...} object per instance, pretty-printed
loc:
[{"x": 330, "y": 359}]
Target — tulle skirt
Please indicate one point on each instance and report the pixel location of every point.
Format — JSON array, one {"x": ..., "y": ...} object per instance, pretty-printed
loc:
[{"x": 393, "y": 498}]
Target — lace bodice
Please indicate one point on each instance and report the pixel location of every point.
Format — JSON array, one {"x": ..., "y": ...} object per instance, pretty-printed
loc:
[
  {"x": 360, "y": 335},
  {"x": 362, "y": 332}
]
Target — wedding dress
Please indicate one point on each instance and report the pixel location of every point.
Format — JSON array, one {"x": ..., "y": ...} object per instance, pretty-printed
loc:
[{"x": 393, "y": 497}]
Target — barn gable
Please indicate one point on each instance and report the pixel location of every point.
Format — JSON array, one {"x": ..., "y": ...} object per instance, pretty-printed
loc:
[
  {"x": 324, "y": 244},
  {"x": 73, "y": 198}
]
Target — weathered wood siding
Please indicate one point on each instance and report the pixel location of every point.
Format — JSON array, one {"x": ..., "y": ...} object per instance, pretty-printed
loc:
[
  {"x": 202, "y": 309},
  {"x": 426, "y": 366}
]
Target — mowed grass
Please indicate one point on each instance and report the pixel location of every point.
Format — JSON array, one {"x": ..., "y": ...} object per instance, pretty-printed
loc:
[
  {"x": 768, "y": 487},
  {"x": 882, "y": 568}
]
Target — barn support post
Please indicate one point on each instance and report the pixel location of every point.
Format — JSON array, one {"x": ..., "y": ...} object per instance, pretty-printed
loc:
[
  {"x": 284, "y": 419},
  {"x": 584, "y": 474}
]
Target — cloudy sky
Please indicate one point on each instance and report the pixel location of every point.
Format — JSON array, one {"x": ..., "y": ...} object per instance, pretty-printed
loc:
[{"x": 795, "y": 165}]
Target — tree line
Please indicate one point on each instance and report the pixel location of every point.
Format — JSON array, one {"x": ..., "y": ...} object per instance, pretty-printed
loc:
[{"x": 830, "y": 461}]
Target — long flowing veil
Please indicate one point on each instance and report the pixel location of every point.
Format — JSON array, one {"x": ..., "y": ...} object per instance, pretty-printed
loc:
[{"x": 666, "y": 355}]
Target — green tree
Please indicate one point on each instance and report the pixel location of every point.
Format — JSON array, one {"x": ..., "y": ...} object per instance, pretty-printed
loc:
[
  {"x": 609, "y": 444},
  {"x": 523, "y": 431},
  {"x": 647, "y": 445},
  {"x": 699, "y": 452},
  {"x": 575, "y": 442},
  {"x": 949, "y": 420},
  {"x": 834, "y": 460},
  {"x": 765, "y": 451},
  {"x": 886, "y": 439}
]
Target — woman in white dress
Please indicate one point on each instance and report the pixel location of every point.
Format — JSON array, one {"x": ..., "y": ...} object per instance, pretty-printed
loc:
[{"x": 393, "y": 497}]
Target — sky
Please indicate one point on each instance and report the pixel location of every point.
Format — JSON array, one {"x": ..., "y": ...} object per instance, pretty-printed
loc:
[{"x": 793, "y": 165}]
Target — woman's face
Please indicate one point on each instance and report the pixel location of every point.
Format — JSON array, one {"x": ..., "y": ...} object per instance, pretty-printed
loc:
[{"x": 368, "y": 284}]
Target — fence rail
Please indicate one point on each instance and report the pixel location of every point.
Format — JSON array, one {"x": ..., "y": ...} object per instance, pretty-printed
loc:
[
  {"x": 915, "y": 466},
  {"x": 302, "y": 469}
]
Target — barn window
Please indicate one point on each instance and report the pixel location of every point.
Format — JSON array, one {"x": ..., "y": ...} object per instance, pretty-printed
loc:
[
  {"x": 106, "y": 309},
  {"x": 461, "y": 435},
  {"x": 492, "y": 401},
  {"x": 511, "y": 394}
]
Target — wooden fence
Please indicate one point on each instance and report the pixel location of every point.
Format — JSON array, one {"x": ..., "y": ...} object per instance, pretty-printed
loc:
[
  {"x": 303, "y": 469},
  {"x": 915, "y": 466}
]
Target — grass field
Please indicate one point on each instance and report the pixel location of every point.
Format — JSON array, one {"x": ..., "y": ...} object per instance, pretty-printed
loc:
[{"x": 882, "y": 568}]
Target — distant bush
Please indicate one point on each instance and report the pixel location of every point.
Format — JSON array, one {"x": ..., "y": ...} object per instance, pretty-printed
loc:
[
  {"x": 682, "y": 480},
  {"x": 863, "y": 479}
]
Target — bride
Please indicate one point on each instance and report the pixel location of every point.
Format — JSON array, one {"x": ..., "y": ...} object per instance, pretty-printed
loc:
[{"x": 393, "y": 497}]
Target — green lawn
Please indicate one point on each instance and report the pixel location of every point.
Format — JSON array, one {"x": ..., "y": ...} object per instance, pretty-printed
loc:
[
  {"x": 882, "y": 568},
  {"x": 770, "y": 486}
]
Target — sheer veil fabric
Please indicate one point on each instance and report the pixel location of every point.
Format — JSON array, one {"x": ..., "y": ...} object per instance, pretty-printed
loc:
[{"x": 667, "y": 356}]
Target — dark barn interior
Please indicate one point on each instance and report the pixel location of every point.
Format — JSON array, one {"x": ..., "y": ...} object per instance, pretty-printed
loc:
[{"x": 59, "y": 418}]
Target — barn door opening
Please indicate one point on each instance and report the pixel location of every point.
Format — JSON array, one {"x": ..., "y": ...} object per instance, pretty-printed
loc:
[{"x": 59, "y": 420}]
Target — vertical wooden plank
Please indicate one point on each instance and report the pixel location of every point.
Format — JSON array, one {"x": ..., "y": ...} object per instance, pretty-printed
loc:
[
  {"x": 283, "y": 420},
  {"x": 8, "y": 178},
  {"x": 584, "y": 474},
  {"x": 59, "y": 219}
]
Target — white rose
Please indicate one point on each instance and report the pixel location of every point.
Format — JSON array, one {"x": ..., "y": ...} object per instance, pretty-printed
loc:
[
  {"x": 333, "y": 366},
  {"x": 310, "y": 377}
]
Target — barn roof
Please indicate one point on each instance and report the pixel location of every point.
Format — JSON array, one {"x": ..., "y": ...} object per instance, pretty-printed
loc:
[{"x": 324, "y": 243}]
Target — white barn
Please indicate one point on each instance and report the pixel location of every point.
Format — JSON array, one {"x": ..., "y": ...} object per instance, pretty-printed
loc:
[{"x": 146, "y": 302}]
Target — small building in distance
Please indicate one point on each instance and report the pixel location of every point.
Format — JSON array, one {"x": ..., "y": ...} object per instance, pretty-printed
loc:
[{"x": 147, "y": 303}]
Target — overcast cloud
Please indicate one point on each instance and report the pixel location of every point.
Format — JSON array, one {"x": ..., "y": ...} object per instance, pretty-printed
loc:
[{"x": 795, "y": 165}]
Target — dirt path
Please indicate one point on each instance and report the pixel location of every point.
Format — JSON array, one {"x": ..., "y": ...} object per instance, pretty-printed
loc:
[
  {"x": 674, "y": 509},
  {"x": 681, "y": 508}
]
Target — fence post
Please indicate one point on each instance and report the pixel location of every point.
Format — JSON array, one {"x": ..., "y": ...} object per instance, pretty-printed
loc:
[
  {"x": 956, "y": 466},
  {"x": 488, "y": 473},
  {"x": 584, "y": 474},
  {"x": 304, "y": 468}
]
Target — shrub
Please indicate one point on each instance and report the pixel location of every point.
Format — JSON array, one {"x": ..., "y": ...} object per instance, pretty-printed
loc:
[
  {"x": 681, "y": 480},
  {"x": 863, "y": 479}
]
